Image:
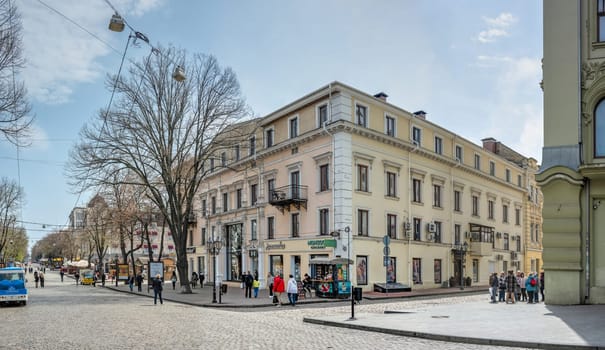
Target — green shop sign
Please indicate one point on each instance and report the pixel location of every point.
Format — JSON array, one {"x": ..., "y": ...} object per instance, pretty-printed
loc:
[{"x": 321, "y": 243}]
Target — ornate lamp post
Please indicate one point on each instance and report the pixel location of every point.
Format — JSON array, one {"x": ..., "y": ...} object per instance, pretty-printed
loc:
[
  {"x": 214, "y": 247},
  {"x": 462, "y": 249}
]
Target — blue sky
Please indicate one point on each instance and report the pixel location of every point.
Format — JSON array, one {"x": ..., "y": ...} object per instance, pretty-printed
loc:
[{"x": 473, "y": 66}]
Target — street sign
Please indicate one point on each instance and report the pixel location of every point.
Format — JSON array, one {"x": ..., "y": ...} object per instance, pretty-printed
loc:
[
  {"x": 385, "y": 261},
  {"x": 386, "y": 251},
  {"x": 386, "y": 240}
]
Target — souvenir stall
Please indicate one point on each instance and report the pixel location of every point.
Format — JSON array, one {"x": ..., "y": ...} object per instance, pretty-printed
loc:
[{"x": 331, "y": 277}]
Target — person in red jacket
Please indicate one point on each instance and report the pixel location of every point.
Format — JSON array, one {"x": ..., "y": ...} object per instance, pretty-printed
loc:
[{"x": 278, "y": 288}]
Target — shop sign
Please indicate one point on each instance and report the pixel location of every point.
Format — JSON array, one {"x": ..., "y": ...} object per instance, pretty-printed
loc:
[
  {"x": 321, "y": 243},
  {"x": 275, "y": 246}
]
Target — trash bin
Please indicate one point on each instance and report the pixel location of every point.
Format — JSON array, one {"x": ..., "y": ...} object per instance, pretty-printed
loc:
[
  {"x": 357, "y": 293},
  {"x": 224, "y": 288}
]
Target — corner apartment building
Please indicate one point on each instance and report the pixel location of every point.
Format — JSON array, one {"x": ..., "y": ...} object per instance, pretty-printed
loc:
[{"x": 334, "y": 172}]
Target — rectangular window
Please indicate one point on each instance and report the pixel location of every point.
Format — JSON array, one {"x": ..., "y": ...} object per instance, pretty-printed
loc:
[
  {"x": 437, "y": 271},
  {"x": 322, "y": 115},
  {"x": 238, "y": 198},
  {"x": 492, "y": 168},
  {"x": 389, "y": 126},
  {"x": 271, "y": 227},
  {"x": 490, "y": 209},
  {"x": 506, "y": 242},
  {"x": 253, "y": 194},
  {"x": 438, "y": 145},
  {"x": 225, "y": 202},
  {"x": 204, "y": 208},
  {"x": 211, "y": 164},
  {"x": 517, "y": 216},
  {"x": 203, "y": 238},
  {"x": 324, "y": 221},
  {"x": 457, "y": 201},
  {"x": 437, "y": 234},
  {"x": 295, "y": 224},
  {"x": 293, "y": 123},
  {"x": 324, "y": 177},
  {"x": 392, "y": 226},
  {"x": 600, "y": 20},
  {"x": 361, "y": 113},
  {"x": 475, "y": 202},
  {"x": 519, "y": 181},
  {"x": 507, "y": 175},
  {"x": 362, "y": 178},
  {"x": 437, "y": 196},
  {"x": 363, "y": 217},
  {"x": 224, "y": 158},
  {"x": 505, "y": 213},
  {"x": 295, "y": 184},
  {"x": 475, "y": 270},
  {"x": 458, "y": 154},
  {"x": 477, "y": 162},
  {"x": 236, "y": 152},
  {"x": 417, "y": 270},
  {"x": 253, "y": 230},
  {"x": 416, "y": 136},
  {"x": 391, "y": 184},
  {"x": 271, "y": 189},
  {"x": 518, "y": 242},
  {"x": 268, "y": 138},
  {"x": 417, "y": 229},
  {"x": 213, "y": 200},
  {"x": 457, "y": 230},
  {"x": 252, "y": 145},
  {"x": 417, "y": 191}
]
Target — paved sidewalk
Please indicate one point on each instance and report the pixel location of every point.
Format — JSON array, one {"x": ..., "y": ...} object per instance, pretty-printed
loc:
[{"x": 480, "y": 322}]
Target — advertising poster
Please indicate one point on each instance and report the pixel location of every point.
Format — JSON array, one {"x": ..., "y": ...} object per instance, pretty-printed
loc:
[
  {"x": 156, "y": 268},
  {"x": 123, "y": 272},
  {"x": 362, "y": 270}
]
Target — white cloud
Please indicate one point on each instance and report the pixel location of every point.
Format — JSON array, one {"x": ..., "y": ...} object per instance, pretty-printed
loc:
[
  {"x": 59, "y": 54},
  {"x": 496, "y": 27}
]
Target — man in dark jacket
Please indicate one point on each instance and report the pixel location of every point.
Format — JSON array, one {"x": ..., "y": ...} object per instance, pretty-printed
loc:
[
  {"x": 140, "y": 282},
  {"x": 248, "y": 281},
  {"x": 494, "y": 283},
  {"x": 157, "y": 289}
]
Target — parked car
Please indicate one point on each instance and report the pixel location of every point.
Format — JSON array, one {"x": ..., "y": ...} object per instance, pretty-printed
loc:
[{"x": 87, "y": 276}]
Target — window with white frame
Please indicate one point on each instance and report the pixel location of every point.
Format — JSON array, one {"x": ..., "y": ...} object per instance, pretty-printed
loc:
[
  {"x": 438, "y": 230},
  {"x": 252, "y": 143},
  {"x": 324, "y": 221},
  {"x": 213, "y": 204},
  {"x": 362, "y": 177},
  {"x": 324, "y": 177},
  {"x": 253, "y": 194},
  {"x": 389, "y": 125},
  {"x": 238, "y": 198},
  {"x": 457, "y": 199},
  {"x": 504, "y": 213},
  {"x": 293, "y": 127},
  {"x": 236, "y": 152},
  {"x": 322, "y": 115},
  {"x": 492, "y": 168},
  {"x": 224, "y": 158},
  {"x": 436, "y": 196},
  {"x": 417, "y": 229},
  {"x": 458, "y": 153},
  {"x": 363, "y": 217},
  {"x": 416, "y": 135},
  {"x": 519, "y": 181},
  {"x": 392, "y": 226},
  {"x": 271, "y": 227},
  {"x": 361, "y": 115},
  {"x": 253, "y": 230},
  {"x": 416, "y": 190},
  {"x": 507, "y": 175},
  {"x": 490, "y": 209},
  {"x": 457, "y": 234},
  {"x": 438, "y": 145},
  {"x": 475, "y": 205},
  {"x": 517, "y": 216},
  {"x": 391, "y": 184},
  {"x": 225, "y": 202},
  {"x": 477, "y": 162},
  {"x": 295, "y": 224},
  {"x": 269, "y": 138}
]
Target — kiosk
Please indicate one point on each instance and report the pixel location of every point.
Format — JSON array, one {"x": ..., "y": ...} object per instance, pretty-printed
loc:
[{"x": 331, "y": 277}]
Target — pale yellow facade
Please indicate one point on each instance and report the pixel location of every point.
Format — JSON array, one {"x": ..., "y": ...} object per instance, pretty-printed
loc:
[
  {"x": 572, "y": 176},
  {"x": 312, "y": 190}
]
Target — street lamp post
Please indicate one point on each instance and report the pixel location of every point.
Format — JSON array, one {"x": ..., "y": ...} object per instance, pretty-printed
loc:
[
  {"x": 462, "y": 249},
  {"x": 215, "y": 246}
]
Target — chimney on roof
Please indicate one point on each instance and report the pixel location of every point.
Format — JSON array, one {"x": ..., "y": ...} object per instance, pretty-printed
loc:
[
  {"x": 420, "y": 114},
  {"x": 381, "y": 95},
  {"x": 490, "y": 144}
]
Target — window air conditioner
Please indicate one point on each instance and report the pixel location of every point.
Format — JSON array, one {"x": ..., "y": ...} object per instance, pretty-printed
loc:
[{"x": 431, "y": 227}]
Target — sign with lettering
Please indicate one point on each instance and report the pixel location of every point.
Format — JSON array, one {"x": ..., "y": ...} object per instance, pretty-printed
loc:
[{"x": 321, "y": 243}]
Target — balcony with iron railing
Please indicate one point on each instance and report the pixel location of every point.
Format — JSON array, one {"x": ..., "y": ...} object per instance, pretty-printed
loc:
[{"x": 287, "y": 196}]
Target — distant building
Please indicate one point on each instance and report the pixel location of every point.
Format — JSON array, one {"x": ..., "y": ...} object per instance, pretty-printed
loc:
[
  {"x": 334, "y": 172},
  {"x": 572, "y": 176}
]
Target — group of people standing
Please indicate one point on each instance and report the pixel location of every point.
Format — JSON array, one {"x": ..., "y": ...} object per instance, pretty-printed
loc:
[
  {"x": 277, "y": 287},
  {"x": 39, "y": 278},
  {"x": 511, "y": 287}
]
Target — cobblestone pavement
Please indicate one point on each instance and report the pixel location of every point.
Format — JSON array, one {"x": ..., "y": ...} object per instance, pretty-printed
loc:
[{"x": 66, "y": 316}]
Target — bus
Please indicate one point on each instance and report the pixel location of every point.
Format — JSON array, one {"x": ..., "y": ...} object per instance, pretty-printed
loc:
[{"x": 12, "y": 286}]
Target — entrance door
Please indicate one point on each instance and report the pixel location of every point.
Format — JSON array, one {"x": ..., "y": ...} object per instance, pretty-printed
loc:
[
  {"x": 234, "y": 251},
  {"x": 457, "y": 271}
]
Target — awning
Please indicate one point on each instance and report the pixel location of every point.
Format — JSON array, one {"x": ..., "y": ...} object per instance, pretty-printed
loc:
[{"x": 330, "y": 261}]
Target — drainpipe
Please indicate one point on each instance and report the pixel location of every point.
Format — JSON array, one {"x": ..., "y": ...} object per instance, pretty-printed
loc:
[{"x": 410, "y": 213}]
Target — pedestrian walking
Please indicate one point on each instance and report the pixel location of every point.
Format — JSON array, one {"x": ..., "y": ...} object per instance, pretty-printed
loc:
[
  {"x": 194, "y": 279},
  {"x": 541, "y": 279},
  {"x": 511, "y": 281},
  {"x": 292, "y": 290},
  {"x": 494, "y": 284},
  {"x": 523, "y": 290},
  {"x": 36, "y": 278},
  {"x": 173, "y": 280},
  {"x": 278, "y": 289},
  {"x": 157, "y": 289},
  {"x": 62, "y": 274},
  {"x": 131, "y": 282},
  {"x": 140, "y": 283},
  {"x": 270, "y": 284},
  {"x": 41, "y": 277},
  {"x": 530, "y": 286},
  {"x": 202, "y": 277},
  {"x": 103, "y": 278},
  {"x": 77, "y": 277},
  {"x": 518, "y": 286},
  {"x": 256, "y": 286},
  {"x": 248, "y": 281},
  {"x": 501, "y": 286}
]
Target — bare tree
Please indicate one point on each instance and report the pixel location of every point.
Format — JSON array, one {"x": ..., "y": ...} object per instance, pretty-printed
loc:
[
  {"x": 98, "y": 227},
  {"x": 11, "y": 196},
  {"x": 164, "y": 132},
  {"x": 15, "y": 121}
]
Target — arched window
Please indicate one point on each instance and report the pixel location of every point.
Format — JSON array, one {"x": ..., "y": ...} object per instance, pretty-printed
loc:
[{"x": 599, "y": 130}]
